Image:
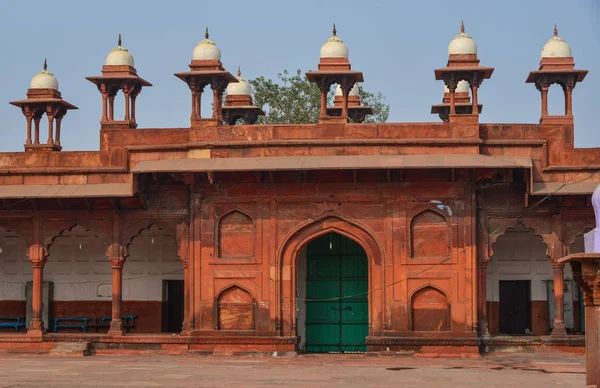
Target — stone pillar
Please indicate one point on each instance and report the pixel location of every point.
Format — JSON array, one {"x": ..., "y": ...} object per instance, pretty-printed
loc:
[
  {"x": 185, "y": 326},
  {"x": 36, "y": 121},
  {"x": 58, "y": 122},
  {"x": 116, "y": 257},
  {"x": 38, "y": 259},
  {"x": 183, "y": 251},
  {"x": 544, "y": 92},
  {"x": 50, "y": 141},
  {"x": 127, "y": 94},
  {"x": 116, "y": 324},
  {"x": 104, "y": 106},
  {"x": 558, "y": 328},
  {"x": 474, "y": 89},
  {"x": 452, "y": 89},
  {"x": 111, "y": 107},
  {"x": 484, "y": 330},
  {"x": 568, "y": 101},
  {"x": 29, "y": 121}
]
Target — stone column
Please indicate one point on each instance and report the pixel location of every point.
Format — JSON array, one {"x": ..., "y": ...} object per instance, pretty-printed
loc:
[
  {"x": 29, "y": 120},
  {"x": 452, "y": 89},
  {"x": 116, "y": 257},
  {"x": 104, "y": 106},
  {"x": 58, "y": 122},
  {"x": 484, "y": 330},
  {"x": 558, "y": 328},
  {"x": 185, "y": 327},
  {"x": 50, "y": 141},
  {"x": 544, "y": 92},
  {"x": 474, "y": 89},
  {"x": 38, "y": 259},
  {"x": 116, "y": 324}
]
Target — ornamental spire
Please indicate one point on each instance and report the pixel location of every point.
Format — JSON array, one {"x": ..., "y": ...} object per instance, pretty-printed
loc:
[
  {"x": 119, "y": 41},
  {"x": 45, "y": 64},
  {"x": 239, "y": 71},
  {"x": 462, "y": 27},
  {"x": 206, "y": 33},
  {"x": 334, "y": 30},
  {"x": 555, "y": 30}
]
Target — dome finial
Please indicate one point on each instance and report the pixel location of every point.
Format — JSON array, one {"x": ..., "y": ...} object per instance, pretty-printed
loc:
[
  {"x": 555, "y": 30},
  {"x": 119, "y": 41},
  {"x": 334, "y": 30},
  {"x": 239, "y": 71},
  {"x": 45, "y": 64},
  {"x": 462, "y": 27},
  {"x": 206, "y": 33}
]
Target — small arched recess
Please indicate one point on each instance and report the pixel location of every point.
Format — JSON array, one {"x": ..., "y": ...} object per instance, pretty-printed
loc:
[
  {"x": 235, "y": 309},
  {"x": 235, "y": 235},
  {"x": 430, "y": 310},
  {"x": 429, "y": 235}
]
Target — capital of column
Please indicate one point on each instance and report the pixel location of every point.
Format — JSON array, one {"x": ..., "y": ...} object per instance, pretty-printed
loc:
[
  {"x": 557, "y": 266},
  {"x": 117, "y": 262}
]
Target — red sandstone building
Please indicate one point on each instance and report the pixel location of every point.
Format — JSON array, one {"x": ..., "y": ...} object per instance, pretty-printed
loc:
[{"x": 336, "y": 236}]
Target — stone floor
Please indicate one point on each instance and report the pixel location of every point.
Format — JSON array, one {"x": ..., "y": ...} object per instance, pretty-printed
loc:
[{"x": 503, "y": 370}]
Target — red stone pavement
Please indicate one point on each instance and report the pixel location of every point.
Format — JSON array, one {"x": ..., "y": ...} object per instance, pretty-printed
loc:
[{"x": 503, "y": 370}]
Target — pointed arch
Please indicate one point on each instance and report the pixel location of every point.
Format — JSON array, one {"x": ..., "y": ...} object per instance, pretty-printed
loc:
[
  {"x": 235, "y": 308},
  {"x": 49, "y": 242},
  {"x": 518, "y": 228},
  {"x": 235, "y": 234},
  {"x": 301, "y": 235},
  {"x": 429, "y": 231},
  {"x": 430, "y": 309}
]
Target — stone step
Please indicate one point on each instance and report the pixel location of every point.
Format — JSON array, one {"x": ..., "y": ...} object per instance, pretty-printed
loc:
[{"x": 70, "y": 349}]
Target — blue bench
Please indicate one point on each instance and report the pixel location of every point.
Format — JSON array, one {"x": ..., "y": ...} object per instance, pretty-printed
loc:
[
  {"x": 71, "y": 323},
  {"x": 128, "y": 321},
  {"x": 12, "y": 322}
]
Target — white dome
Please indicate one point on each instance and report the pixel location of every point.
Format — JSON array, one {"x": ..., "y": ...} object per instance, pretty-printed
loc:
[
  {"x": 353, "y": 91},
  {"x": 334, "y": 47},
  {"x": 462, "y": 44},
  {"x": 556, "y": 47},
  {"x": 242, "y": 87},
  {"x": 119, "y": 56},
  {"x": 207, "y": 49},
  {"x": 44, "y": 80},
  {"x": 462, "y": 87}
]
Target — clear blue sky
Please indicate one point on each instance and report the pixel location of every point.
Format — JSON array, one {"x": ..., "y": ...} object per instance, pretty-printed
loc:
[{"x": 396, "y": 44}]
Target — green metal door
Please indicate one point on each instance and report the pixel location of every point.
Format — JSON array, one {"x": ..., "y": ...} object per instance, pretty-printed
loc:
[{"x": 337, "y": 317}]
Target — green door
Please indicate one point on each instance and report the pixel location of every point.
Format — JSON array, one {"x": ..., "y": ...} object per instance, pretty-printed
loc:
[{"x": 337, "y": 316}]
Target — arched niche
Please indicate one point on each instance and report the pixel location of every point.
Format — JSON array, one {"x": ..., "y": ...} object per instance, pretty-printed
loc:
[
  {"x": 429, "y": 235},
  {"x": 15, "y": 271},
  {"x": 235, "y": 309},
  {"x": 430, "y": 310},
  {"x": 79, "y": 267},
  {"x": 235, "y": 235}
]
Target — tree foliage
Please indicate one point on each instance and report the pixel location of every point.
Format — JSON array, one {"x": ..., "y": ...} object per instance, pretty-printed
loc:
[{"x": 295, "y": 100}]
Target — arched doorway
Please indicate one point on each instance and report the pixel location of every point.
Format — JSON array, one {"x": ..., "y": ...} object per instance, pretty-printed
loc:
[
  {"x": 333, "y": 301},
  {"x": 518, "y": 274}
]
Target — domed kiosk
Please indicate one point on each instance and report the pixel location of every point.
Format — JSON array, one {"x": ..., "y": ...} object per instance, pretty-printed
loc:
[
  {"x": 119, "y": 73},
  {"x": 356, "y": 112},
  {"x": 463, "y": 65},
  {"x": 557, "y": 66},
  {"x": 206, "y": 69},
  {"x": 334, "y": 68},
  {"x": 43, "y": 97},
  {"x": 238, "y": 103}
]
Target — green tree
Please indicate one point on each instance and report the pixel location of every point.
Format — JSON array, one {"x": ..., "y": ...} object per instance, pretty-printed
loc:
[{"x": 295, "y": 100}]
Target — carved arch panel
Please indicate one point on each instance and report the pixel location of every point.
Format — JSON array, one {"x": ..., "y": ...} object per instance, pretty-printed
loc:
[
  {"x": 429, "y": 236},
  {"x": 430, "y": 310},
  {"x": 235, "y": 235},
  {"x": 235, "y": 309}
]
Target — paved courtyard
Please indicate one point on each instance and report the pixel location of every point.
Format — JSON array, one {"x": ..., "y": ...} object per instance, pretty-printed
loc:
[{"x": 508, "y": 370}]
